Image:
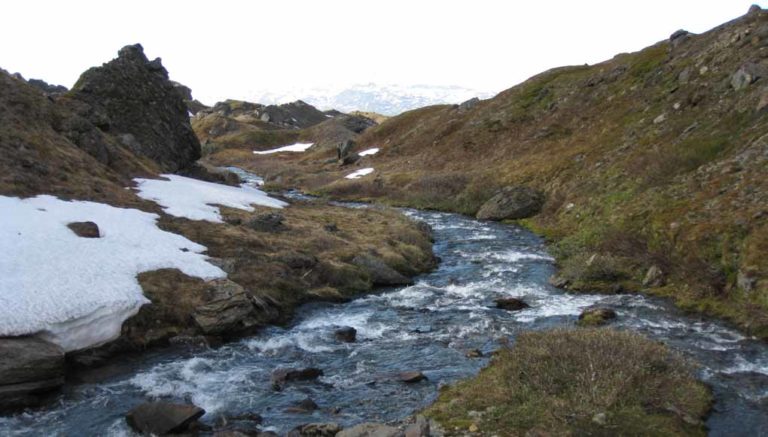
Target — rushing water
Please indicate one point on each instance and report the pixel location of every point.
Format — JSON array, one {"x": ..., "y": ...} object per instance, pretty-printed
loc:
[{"x": 427, "y": 327}]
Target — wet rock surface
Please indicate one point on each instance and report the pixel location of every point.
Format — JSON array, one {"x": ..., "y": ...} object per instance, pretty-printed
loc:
[
  {"x": 160, "y": 418},
  {"x": 30, "y": 368}
]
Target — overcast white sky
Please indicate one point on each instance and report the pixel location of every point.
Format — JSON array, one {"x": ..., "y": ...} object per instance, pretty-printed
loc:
[{"x": 235, "y": 49}]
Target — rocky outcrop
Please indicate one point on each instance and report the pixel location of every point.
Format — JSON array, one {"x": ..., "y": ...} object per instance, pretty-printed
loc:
[
  {"x": 160, "y": 418},
  {"x": 136, "y": 102},
  {"x": 512, "y": 203},
  {"x": 379, "y": 271},
  {"x": 294, "y": 115},
  {"x": 30, "y": 369},
  {"x": 229, "y": 310}
]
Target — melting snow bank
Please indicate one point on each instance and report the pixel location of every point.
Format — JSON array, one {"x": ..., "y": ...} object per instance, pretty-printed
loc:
[
  {"x": 359, "y": 173},
  {"x": 373, "y": 151},
  {"x": 298, "y": 147},
  {"x": 77, "y": 292},
  {"x": 194, "y": 199}
]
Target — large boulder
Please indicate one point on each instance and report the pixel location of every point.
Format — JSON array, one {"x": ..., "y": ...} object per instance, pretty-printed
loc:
[
  {"x": 379, "y": 271},
  {"x": 511, "y": 203},
  {"x": 160, "y": 418},
  {"x": 30, "y": 369},
  {"x": 229, "y": 310},
  {"x": 144, "y": 108}
]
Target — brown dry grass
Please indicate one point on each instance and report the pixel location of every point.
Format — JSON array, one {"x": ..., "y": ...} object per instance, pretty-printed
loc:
[{"x": 556, "y": 382}]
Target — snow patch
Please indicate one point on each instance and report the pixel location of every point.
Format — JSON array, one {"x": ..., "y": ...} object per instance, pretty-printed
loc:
[
  {"x": 76, "y": 292},
  {"x": 367, "y": 152},
  {"x": 195, "y": 199},
  {"x": 359, "y": 173},
  {"x": 298, "y": 147}
]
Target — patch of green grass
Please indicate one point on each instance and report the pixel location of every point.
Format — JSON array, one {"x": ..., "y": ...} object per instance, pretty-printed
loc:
[{"x": 583, "y": 382}]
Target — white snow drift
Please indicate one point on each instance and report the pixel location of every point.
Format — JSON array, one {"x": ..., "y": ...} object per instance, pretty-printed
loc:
[
  {"x": 359, "y": 173},
  {"x": 298, "y": 147},
  {"x": 367, "y": 152},
  {"x": 74, "y": 291},
  {"x": 194, "y": 199}
]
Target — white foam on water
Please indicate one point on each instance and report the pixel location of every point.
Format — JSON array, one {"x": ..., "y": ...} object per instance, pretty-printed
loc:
[
  {"x": 742, "y": 365},
  {"x": 557, "y": 305},
  {"x": 516, "y": 256},
  {"x": 360, "y": 321},
  {"x": 207, "y": 383}
]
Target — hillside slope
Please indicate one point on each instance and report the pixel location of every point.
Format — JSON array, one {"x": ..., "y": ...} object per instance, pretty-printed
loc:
[{"x": 653, "y": 165}]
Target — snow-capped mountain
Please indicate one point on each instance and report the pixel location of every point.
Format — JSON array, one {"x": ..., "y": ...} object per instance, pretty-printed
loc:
[{"x": 383, "y": 99}]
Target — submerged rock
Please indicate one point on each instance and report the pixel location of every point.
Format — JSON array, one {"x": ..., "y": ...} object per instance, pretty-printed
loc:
[
  {"x": 163, "y": 417},
  {"x": 411, "y": 377},
  {"x": 511, "y": 304},
  {"x": 346, "y": 334},
  {"x": 30, "y": 368},
  {"x": 512, "y": 203},
  {"x": 280, "y": 377}
]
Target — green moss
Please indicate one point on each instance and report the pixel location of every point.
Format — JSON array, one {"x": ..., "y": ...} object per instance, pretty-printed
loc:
[{"x": 557, "y": 382}]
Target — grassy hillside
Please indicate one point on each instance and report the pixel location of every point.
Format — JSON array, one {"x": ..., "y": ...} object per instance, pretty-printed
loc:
[{"x": 655, "y": 159}]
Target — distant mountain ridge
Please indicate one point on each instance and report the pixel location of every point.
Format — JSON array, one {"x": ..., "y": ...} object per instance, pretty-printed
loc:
[{"x": 382, "y": 99}]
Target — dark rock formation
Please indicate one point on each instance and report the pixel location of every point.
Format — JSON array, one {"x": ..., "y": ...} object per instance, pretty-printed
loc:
[
  {"x": 280, "y": 377},
  {"x": 143, "y": 107},
  {"x": 512, "y": 203},
  {"x": 379, "y": 271},
  {"x": 346, "y": 334},
  {"x": 46, "y": 88},
  {"x": 160, "y": 418},
  {"x": 356, "y": 123},
  {"x": 511, "y": 304},
  {"x": 85, "y": 229},
  {"x": 30, "y": 368}
]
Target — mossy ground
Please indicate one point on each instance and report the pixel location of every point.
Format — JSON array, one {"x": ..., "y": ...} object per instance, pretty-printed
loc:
[{"x": 578, "y": 382}]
